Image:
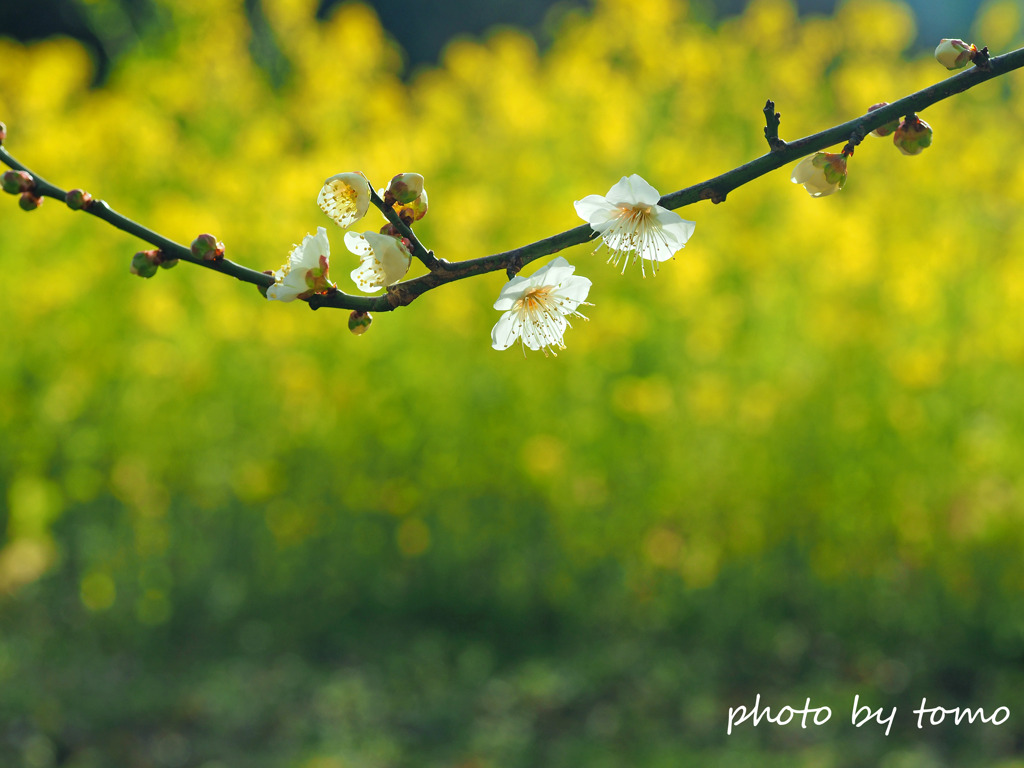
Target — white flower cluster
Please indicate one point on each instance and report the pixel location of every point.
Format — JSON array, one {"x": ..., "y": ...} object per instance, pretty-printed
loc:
[
  {"x": 384, "y": 259},
  {"x": 536, "y": 309}
]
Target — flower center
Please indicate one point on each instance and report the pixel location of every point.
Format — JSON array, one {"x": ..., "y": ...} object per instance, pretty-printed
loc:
[{"x": 535, "y": 301}]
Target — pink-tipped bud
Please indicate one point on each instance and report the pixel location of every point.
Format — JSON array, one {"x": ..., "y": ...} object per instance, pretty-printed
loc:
[
  {"x": 146, "y": 263},
  {"x": 913, "y": 136},
  {"x": 391, "y": 230},
  {"x": 884, "y": 130},
  {"x": 207, "y": 248},
  {"x": 77, "y": 199},
  {"x": 16, "y": 182},
  {"x": 359, "y": 322},
  {"x": 29, "y": 202},
  {"x": 403, "y": 189},
  {"x": 955, "y": 54},
  {"x": 3, "y": 133}
]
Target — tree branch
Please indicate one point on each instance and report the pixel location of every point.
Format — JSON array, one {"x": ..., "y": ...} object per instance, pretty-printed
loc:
[{"x": 441, "y": 272}]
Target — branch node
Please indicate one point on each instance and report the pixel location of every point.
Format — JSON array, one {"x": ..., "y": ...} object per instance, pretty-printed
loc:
[
  {"x": 712, "y": 194},
  {"x": 855, "y": 139},
  {"x": 981, "y": 60},
  {"x": 515, "y": 263},
  {"x": 771, "y": 130}
]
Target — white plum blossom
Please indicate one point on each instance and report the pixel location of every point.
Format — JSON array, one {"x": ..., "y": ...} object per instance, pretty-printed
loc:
[
  {"x": 306, "y": 270},
  {"x": 536, "y": 307},
  {"x": 629, "y": 219},
  {"x": 384, "y": 260},
  {"x": 345, "y": 197}
]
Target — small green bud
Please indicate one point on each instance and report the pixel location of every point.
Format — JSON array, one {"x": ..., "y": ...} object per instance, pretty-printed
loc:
[
  {"x": 16, "y": 182},
  {"x": 359, "y": 322},
  {"x": 77, "y": 199},
  {"x": 167, "y": 263},
  {"x": 207, "y": 248},
  {"x": 29, "y": 202},
  {"x": 884, "y": 130},
  {"x": 913, "y": 136},
  {"x": 145, "y": 263}
]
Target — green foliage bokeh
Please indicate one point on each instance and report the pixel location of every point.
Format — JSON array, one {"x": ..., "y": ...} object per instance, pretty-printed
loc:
[{"x": 790, "y": 464}]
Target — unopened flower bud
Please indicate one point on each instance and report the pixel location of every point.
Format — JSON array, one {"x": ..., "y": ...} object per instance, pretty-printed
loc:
[
  {"x": 821, "y": 173},
  {"x": 16, "y": 182},
  {"x": 913, "y": 136},
  {"x": 145, "y": 263},
  {"x": 77, "y": 199},
  {"x": 954, "y": 54},
  {"x": 29, "y": 202},
  {"x": 3, "y": 133},
  {"x": 359, "y": 322},
  {"x": 207, "y": 248},
  {"x": 403, "y": 189},
  {"x": 884, "y": 130},
  {"x": 166, "y": 263}
]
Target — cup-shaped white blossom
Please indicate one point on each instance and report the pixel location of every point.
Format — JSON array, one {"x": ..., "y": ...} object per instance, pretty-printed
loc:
[
  {"x": 306, "y": 270},
  {"x": 629, "y": 219},
  {"x": 345, "y": 197},
  {"x": 384, "y": 260},
  {"x": 954, "y": 54},
  {"x": 536, "y": 307},
  {"x": 821, "y": 173}
]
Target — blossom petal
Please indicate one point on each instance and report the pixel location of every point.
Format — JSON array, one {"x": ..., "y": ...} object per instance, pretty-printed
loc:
[
  {"x": 674, "y": 227},
  {"x": 509, "y": 293},
  {"x": 574, "y": 291},
  {"x": 504, "y": 333},
  {"x": 633, "y": 190},
  {"x": 594, "y": 208}
]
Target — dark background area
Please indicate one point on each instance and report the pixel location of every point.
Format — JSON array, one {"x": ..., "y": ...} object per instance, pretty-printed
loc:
[{"x": 422, "y": 29}]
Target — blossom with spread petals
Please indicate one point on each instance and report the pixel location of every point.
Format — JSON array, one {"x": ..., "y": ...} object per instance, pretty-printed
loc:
[
  {"x": 536, "y": 307},
  {"x": 345, "y": 197},
  {"x": 384, "y": 260},
  {"x": 306, "y": 270},
  {"x": 629, "y": 219},
  {"x": 821, "y": 173}
]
